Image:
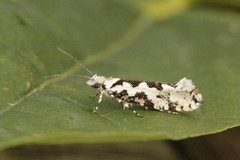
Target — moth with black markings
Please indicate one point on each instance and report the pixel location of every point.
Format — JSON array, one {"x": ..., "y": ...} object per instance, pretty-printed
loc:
[
  {"x": 166, "y": 97},
  {"x": 182, "y": 96}
]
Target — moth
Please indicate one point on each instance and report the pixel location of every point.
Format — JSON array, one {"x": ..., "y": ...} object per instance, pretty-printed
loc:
[
  {"x": 166, "y": 97},
  {"x": 182, "y": 96}
]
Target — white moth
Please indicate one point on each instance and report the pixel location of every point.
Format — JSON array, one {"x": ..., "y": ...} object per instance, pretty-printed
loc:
[{"x": 166, "y": 97}]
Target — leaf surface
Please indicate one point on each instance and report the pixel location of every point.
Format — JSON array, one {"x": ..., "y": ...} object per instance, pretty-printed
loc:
[{"x": 160, "y": 41}]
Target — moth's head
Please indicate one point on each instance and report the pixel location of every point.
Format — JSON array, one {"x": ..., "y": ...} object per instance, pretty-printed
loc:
[{"x": 96, "y": 81}]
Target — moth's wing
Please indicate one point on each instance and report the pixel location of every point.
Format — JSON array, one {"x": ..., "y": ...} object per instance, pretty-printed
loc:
[{"x": 183, "y": 96}]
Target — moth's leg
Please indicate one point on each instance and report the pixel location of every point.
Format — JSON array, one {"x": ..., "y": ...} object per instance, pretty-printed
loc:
[
  {"x": 138, "y": 114},
  {"x": 99, "y": 101},
  {"x": 126, "y": 105}
]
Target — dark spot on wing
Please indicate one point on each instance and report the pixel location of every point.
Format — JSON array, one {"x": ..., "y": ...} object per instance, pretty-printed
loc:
[
  {"x": 194, "y": 99},
  {"x": 172, "y": 107},
  {"x": 123, "y": 93},
  {"x": 119, "y": 82},
  {"x": 141, "y": 95},
  {"x": 190, "y": 106},
  {"x": 172, "y": 85},
  {"x": 159, "y": 96},
  {"x": 133, "y": 82},
  {"x": 149, "y": 104},
  {"x": 156, "y": 85}
]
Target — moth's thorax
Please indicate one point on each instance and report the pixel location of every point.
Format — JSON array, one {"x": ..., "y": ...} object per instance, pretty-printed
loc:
[{"x": 96, "y": 81}]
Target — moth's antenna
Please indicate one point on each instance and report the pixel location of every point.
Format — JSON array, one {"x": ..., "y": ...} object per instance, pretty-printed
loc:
[
  {"x": 59, "y": 75},
  {"x": 64, "y": 52}
]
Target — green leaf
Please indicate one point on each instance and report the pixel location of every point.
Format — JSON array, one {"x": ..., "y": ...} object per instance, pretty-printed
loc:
[{"x": 154, "y": 40}]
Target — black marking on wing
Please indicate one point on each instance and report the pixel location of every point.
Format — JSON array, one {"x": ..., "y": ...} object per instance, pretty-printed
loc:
[
  {"x": 156, "y": 85},
  {"x": 174, "y": 85},
  {"x": 119, "y": 82},
  {"x": 194, "y": 99},
  {"x": 133, "y": 83},
  {"x": 141, "y": 95},
  {"x": 149, "y": 104},
  {"x": 120, "y": 95},
  {"x": 172, "y": 107},
  {"x": 190, "y": 106},
  {"x": 123, "y": 93},
  {"x": 159, "y": 96}
]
